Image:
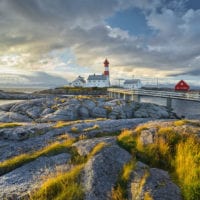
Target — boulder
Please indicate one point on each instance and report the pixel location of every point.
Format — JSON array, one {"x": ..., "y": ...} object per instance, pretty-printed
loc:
[
  {"x": 147, "y": 136},
  {"x": 152, "y": 183},
  {"x": 21, "y": 181},
  {"x": 46, "y": 111},
  {"x": 83, "y": 112},
  {"x": 117, "y": 112},
  {"x": 99, "y": 112},
  {"x": 34, "y": 112},
  {"x": 84, "y": 147},
  {"x": 68, "y": 112},
  {"x": 90, "y": 104},
  {"x": 151, "y": 110},
  {"x": 13, "y": 117},
  {"x": 101, "y": 172},
  {"x": 22, "y": 132}
]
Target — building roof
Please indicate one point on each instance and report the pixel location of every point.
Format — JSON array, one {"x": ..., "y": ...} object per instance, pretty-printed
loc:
[
  {"x": 132, "y": 81},
  {"x": 96, "y": 77},
  {"x": 182, "y": 85},
  {"x": 80, "y": 78}
]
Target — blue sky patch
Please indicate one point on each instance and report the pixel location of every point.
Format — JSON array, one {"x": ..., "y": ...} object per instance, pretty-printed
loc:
[{"x": 132, "y": 20}]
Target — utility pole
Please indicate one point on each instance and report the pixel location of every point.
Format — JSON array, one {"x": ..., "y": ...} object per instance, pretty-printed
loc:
[{"x": 157, "y": 81}]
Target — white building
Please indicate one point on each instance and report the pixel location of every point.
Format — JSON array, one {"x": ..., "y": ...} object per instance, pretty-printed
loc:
[
  {"x": 100, "y": 80},
  {"x": 79, "y": 82},
  {"x": 132, "y": 84}
]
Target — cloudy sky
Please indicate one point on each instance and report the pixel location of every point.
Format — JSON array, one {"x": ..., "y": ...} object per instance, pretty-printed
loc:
[{"x": 59, "y": 39}]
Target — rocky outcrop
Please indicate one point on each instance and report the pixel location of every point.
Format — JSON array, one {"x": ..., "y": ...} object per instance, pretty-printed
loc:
[
  {"x": 38, "y": 128},
  {"x": 152, "y": 183},
  {"x": 30, "y": 136},
  {"x": 101, "y": 172},
  {"x": 74, "y": 108},
  {"x": 21, "y": 96},
  {"x": 84, "y": 147},
  {"x": 151, "y": 110},
  {"x": 19, "y": 182}
]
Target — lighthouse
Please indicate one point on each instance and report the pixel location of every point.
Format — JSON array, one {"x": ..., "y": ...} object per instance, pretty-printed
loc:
[
  {"x": 106, "y": 71},
  {"x": 100, "y": 80}
]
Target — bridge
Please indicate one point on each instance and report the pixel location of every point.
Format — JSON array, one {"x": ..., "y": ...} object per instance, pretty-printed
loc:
[{"x": 135, "y": 95}]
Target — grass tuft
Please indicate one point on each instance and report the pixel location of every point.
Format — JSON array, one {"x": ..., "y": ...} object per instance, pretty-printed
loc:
[
  {"x": 62, "y": 186},
  {"x": 17, "y": 161},
  {"x": 147, "y": 196},
  {"x": 95, "y": 127},
  {"x": 187, "y": 165},
  {"x": 74, "y": 129},
  {"x": 127, "y": 141},
  {"x": 119, "y": 192},
  {"x": 10, "y": 125}
]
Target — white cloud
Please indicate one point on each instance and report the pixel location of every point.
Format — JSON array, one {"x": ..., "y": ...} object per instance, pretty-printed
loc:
[{"x": 32, "y": 31}]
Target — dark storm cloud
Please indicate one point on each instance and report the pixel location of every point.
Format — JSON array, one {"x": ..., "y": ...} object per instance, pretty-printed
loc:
[
  {"x": 195, "y": 72},
  {"x": 39, "y": 27}
]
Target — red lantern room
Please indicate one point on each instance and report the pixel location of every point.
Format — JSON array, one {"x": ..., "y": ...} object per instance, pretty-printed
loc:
[{"x": 106, "y": 63}]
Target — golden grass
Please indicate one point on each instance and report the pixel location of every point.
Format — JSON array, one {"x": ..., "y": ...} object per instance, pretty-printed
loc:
[
  {"x": 61, "y": 186},
  {"x": 180, "y": 122},
  {"x": 10, "y": 125},
  {"x": 117, "y": 193},
  {"x": 141, "y": 127},
  {"x": 74, "y": 129},
  {"x": 142, "y": 182},
  {"x": 120, "y": 191},
  {"x": 172, "y": 150},
  {"x": 61, "y": 124},
  {"x": 97, "y": 149},
  {"x": 165, "y": 130},
  {"x": 95, "y": 127},
  {"x": 125, "y": 133},
  {"x": 127, "y": 169},
  {"x": 187, "y": 165},
  {"x": 147, "y": 196},
  {"x": 64, "y": 137},
  {"x": 17, "y": 161},
  {"x": 127, "y": 140}
]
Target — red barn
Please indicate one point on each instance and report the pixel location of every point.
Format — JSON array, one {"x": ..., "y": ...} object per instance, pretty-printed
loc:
[{"x": 182, "y": 86}]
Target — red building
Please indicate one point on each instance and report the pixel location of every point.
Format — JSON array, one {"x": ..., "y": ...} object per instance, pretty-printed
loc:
[{"x": 182, "y": 86}]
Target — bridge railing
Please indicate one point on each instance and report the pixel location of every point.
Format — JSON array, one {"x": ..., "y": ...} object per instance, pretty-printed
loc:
[{"x": 164, "y": 94}]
